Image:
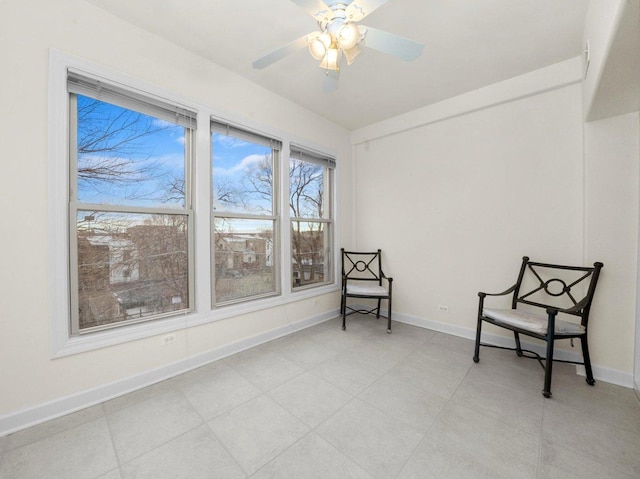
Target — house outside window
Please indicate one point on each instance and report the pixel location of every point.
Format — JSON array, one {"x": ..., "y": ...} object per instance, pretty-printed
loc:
[{"x": 129, "y": 206}]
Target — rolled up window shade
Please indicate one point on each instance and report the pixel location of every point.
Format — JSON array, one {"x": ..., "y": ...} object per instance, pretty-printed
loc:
[{"x": 310, "y": 156}]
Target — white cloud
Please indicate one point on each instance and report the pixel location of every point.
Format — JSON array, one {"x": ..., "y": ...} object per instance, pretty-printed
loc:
[{"x": 245, "y": 164}]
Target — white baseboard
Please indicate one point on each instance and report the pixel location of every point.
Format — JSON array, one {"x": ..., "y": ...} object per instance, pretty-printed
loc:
[
  {"x": 600, "y": 373},
  {"x": 65, "y": 405}
]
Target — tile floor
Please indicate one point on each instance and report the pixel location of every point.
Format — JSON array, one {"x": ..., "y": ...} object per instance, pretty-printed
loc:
[{"x": 323, "y": 403}]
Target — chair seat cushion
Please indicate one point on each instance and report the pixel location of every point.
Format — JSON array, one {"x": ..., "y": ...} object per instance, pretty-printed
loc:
[
  {"x": 367, "y": 289},
  {"x": 536, "y": 323}
]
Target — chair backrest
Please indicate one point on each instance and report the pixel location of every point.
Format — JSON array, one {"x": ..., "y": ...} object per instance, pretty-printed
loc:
[
  {"x": 557, "y": 286},
  {"x": 362, "y": 266}
]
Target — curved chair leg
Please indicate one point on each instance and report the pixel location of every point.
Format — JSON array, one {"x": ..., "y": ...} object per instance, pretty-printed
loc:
[
  {"x": 587, "y": 361},
  {"x": 389, "y": 319}
]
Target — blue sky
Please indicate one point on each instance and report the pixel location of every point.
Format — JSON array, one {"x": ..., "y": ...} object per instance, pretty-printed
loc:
[
  {"x": 234, "y": 160},
  {"x": 152, "y": 160}
]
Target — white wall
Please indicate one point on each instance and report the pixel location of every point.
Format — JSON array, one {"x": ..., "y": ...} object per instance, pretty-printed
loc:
[
  {"x": 28, "y": 30},
  {"x": 455, "y": 194},
  {"x": 612, "y": 151}
]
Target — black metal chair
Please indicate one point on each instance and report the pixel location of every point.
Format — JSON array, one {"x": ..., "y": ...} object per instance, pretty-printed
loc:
[
  {"x": 553, "y": 288},
  {"x": 362, "y": 278}
]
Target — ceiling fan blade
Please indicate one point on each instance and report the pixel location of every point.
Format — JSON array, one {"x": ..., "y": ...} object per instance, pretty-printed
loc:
[
  {"x": 359, "y": 9},
  {"x": 313, "y": 7},
  {"x": 403, "y": 48},
  {"x": 280, "y": 53},
  {"x": 330, "y": 81}
]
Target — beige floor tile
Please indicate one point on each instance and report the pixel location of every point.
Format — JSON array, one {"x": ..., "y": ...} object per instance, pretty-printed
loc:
[
  {"x": 197, "y": 454},
  {"x": 409, "y": 403},
  {"x": 337, "y": 339},
  {"x": 462, "y": 345},
  {"x": 199, "y": 374},
  {"x": 146, "y": 425},
  {"x": 406, "y": 333},
  {"x": 218, "y": 392},
  {"x": 139, "y": 396},
  {"x": 257, "y": 431},
  {"x": 511, "y": 405},
  {"x": 55, "y": 426},
  {"x": 432, "y": 459},
  {"x": 558, "y": 462},
  {"x": 311, "y": 458},
  {"x": 608, "y": 402},
  {"x": 381, "y": 353},
  {"x": 114, "y": 474},
  {"x": 348, "y": 373},
  {"x": 378, "y": 443},
  {"x": 82, "y": 452},
  {"x": 266, "y": 370},
  {"x": 305, "y": 352},
  {"x": 365, "y": 325},
  {"x": 589, "y": 436},
  {"x": 309, "y": 398},
  {"x": 442, "y": 379},
  {"x": 500, "y": 448},
  {"x": 505, "y": 368}
]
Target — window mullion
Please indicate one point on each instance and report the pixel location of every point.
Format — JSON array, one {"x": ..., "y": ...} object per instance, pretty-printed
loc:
[{"x": 130, "y": 209}]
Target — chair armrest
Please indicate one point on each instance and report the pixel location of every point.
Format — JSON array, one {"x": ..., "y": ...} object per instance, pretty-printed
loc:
[
  {"x": 483, "y": 295},
  {"x": 510, "y": 290}
]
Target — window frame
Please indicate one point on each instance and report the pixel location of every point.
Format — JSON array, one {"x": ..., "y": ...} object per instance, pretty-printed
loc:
[
  {"x": 328, "y": 163},
  {"x": 223, "y": 127},
  {"x": 104, "y": 91},
  {"x": 62, "y": 343}
]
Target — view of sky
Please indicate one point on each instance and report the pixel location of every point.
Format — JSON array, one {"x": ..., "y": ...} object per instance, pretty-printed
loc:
[
  {"x": 128, "y": 158},
  {"x": 241, "y": 175}
]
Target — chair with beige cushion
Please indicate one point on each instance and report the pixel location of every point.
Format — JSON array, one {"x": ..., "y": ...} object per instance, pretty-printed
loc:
[
  {"x": 363, "y": 279},
  {"x": 555, "y": 295}
]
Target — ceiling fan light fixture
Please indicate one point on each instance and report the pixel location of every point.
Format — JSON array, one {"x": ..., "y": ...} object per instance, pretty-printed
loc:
[
  {"x": 330, "y": 60},
  {"x": 351, "y": 54},
  {"x": 348, "y": 36},
  {"x": 319, "y": 45}
]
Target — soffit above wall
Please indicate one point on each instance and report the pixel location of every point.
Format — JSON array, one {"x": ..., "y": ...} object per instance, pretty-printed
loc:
[{"x": 618, "y": 88}]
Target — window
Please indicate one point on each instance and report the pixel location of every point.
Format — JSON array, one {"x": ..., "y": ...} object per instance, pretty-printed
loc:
[
  {"x": 144, "y": 241},
  {"x": 244, "y": 214},
  {"x": 310, "y": 184},
  {"x": 129, "y": 206}
]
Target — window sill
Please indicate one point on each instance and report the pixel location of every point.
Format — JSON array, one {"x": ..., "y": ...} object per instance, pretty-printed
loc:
[{"x": 113, "y": 337}]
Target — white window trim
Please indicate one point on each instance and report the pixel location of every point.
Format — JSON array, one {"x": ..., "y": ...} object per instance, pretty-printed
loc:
[{"x": 61, "y": 343}]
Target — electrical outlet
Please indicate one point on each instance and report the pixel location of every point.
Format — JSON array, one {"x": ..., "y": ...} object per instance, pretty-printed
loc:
[
  {"x": 443, "y": 308},
  {"x": 168, "y": 339}
]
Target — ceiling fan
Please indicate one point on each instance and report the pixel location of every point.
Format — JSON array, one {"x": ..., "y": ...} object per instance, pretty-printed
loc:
[{"x": 340, "y": 35}]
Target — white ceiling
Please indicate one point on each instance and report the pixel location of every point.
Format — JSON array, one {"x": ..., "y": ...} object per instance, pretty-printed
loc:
[{"x": 468, "y": 44}]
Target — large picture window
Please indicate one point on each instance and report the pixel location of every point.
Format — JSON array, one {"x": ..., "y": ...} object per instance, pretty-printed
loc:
[
  {"x": 244, "y": 214},
  {"x": 129, "y": 206},
  {"x": 310, "y": 184}
]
